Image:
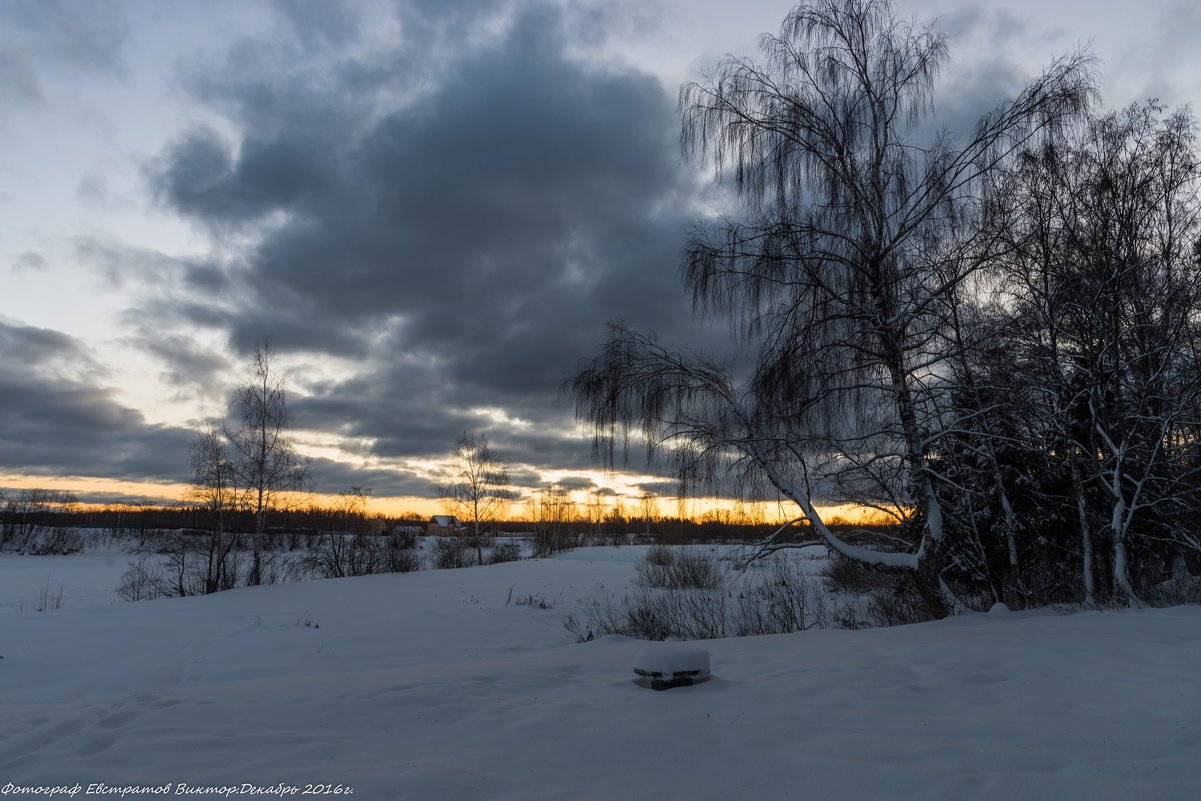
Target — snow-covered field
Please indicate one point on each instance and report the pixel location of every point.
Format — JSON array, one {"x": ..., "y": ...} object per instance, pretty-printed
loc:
[
  {"x": 28, "y": 583},
  {"x": 429, "y": 685}
]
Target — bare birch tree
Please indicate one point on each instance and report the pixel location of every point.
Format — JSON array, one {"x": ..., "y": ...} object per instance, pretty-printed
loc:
[
  {"x": 477, "y": 490},
  {"x": 1103, "y": 275},
  {"x": 264, "y": 457},
  {"x": 855, "y": 235},
  {"x": 214, "y": 488}
]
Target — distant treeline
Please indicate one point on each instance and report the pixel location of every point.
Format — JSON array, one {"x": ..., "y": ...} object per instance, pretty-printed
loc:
[{"x": 29, "y": 510}]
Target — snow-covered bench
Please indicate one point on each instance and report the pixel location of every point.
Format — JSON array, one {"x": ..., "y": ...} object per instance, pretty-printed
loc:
[{"x": 672, "y": 665}]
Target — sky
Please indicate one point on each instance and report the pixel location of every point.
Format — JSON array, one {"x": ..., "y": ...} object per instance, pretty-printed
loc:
[{"x": 430, "y": 209}]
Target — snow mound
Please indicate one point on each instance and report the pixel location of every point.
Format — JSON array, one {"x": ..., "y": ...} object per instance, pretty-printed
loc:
[
  {"x": 672, "y": 666},
  {"x": 672, "y": 661}
]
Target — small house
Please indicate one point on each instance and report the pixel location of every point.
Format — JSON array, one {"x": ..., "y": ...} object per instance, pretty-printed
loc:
[{"x": 444, "y": 524}]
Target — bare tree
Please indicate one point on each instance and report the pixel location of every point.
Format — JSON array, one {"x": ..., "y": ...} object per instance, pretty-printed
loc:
[
  {"x": 856, "y": 236},
  {"x": 477, "y": 488},
  {"x": 347, "y": 549},
  {"x": 1103, "y": 277},
  {"x": 648, "y": 505},
  {"x": 551, "y": 510},
  {"x": 34, "y": 520},
  {"x": 214, "y": 488},
  {"x": 264, "y": 457},
  {"x": 5, "y": 524}
]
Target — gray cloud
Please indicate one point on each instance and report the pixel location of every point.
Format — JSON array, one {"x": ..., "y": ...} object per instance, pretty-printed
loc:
[
  {"x": 18, "y": 80},
  {"x": 56, "y": 418},
  {"x": 188, "y": 364},
  {"x": 120, "y": 498},
  {"x": 320, "y": 23},
  {"x": 82, "y": 34},
  {"x": 576, "y": 483},
  {"x": 448, "y": 196},
  {"x": 124, "y": 267},
  {"x": 666, "y": 489},
  {"x": 1161, "y": 64},
  {"x": 29, "y": 261},
  {"x": 37, "y": 36},
  {"x": 332, "y": 477},
  {"x": 464, "y": 244}
]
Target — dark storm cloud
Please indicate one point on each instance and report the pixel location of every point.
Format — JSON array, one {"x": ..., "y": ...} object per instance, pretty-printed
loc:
[
  {"x": 576, "y": 483},
  {"x": 332, "y": 477},
  {"x": 201, "y": 176},
  {"x": 465, "y": 244},
  {"x": 549, "y": 450},
  {"x": 56, "y": 418}
]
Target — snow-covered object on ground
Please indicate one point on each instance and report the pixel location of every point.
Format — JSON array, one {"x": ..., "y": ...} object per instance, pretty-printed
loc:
[
  {"x": 428, "y": 686},
  {"x": 670, "y": 665},
  {"x": 998, "y": 609}
]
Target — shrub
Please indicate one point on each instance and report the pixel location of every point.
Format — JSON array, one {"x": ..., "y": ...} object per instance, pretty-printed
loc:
[
  {"x": 679, "y": 568},
  {"x": 401, "y": 554},
  {"x": 404, "y": 540},
  {"x": 848, "y": 575},
  {"x": 451, "y": 552},
  {"x": 578, "y": 629},
  {"x": 898, "y": 605},
  {"x": 145, "y": 580},
  {"x": 538, "y": 601},
  {"x": 654, "y": 569},
  {"x": 338, "y": 555},
  {"x": 694, "y": 568},
  {"x": 695, "y": 596},
  {"x": 656, "y": 614},
  {"x": 782, "y": 601},
  {"x": 660, "y": 555},
  {"x": 887, "y": 597},
  {"x": 700, "y": 600},
  {"x": 507, "y": 551},
  {"x": 548, "y": 542}
]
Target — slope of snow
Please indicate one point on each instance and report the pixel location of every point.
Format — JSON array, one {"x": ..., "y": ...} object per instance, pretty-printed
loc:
[{"x": 430, "y": 686}]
